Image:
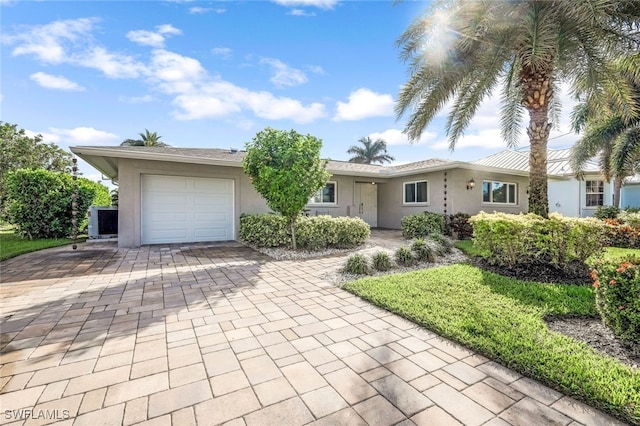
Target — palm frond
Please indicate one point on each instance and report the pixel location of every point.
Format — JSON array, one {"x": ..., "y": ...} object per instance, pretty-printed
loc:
[{"x": 627, "y": 150}]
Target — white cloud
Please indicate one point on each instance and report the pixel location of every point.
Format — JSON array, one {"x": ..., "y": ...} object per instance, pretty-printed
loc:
[
  {"x": 224, "y": 52},
  {"x": 57, "y": 82},
  {"x": 397, "y": 137},
  {"x": 175, "y": 73},
  {"x": 197, "y": 10},
  {"x": 153, "y": 39},
  {"x": 364, "y": 103},
  {"x": 284, "y": 75},
  {"x": 136, "y": 99},
  {"x": 77, "y": 135},
  {"x": 316, "y": 69},
  {"x": 486, "y": 139},
  {"x": 49, "y": 42},
  {"x": 113, "y": 65},
  {"x": 322, "y": 4},
  {"x": 300, "y": 12}
]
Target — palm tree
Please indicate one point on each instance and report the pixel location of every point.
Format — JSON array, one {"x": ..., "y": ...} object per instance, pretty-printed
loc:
[
  {"x": 464, "y": 49},
  {"x": 146, "y": 139},
  {"x": 615, "y": 139},
  {"x": 370, "y": 152}
]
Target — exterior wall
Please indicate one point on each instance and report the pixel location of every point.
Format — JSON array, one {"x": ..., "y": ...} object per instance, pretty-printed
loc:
[
  {"x": 129, "y": 172},
  {"x": 563, "y": 197},
  {"x": 630, "y": 196},
  {"x": 391, "y": 208},
  {"x": 344, "y": 199}
]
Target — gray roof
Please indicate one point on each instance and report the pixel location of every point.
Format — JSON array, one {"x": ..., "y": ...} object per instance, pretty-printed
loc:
[{"x": 558, "y": 162}]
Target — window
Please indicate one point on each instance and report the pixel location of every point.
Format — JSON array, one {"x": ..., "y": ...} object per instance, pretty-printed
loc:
[
  {"x": 595, "y": 193},
  {"x": 416, "y": 192},
  {"x": 499, "y": 192},
  {"x": 326, "y": 195}
]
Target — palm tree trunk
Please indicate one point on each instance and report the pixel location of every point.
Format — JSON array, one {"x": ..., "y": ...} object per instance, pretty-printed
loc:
[
  {"x": 617, "y": 188},
  {"x": 537, "y": 92}
]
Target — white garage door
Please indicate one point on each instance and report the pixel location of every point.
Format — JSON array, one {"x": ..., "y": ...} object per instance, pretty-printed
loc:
[{"x": 178, "y": 209}]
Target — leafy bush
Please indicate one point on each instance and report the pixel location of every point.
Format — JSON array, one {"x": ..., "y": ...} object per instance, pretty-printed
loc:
[
  {"x": 617, "y": 285},
  {"x": 630, "y": 218},
  {"x": 622, "y": 235},
  {"x": 422, "y": 224},
  {"x": 459, "y": 224},
  {"x": 357, "y": 264},
  {"x": 39, "y": 202},
  {"x": 381, "y": 261},
  {"x": 422, "y": 251},
  {"x": 607, "y": 212},
  {"x": 313, "y": 233},
  {"x": 404, "y": 257},
  {"x": 508, "y": 239}
]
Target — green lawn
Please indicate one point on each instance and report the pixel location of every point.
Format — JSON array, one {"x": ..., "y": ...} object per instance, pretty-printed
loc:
[
  {"x": 11, "y": 245},
  {"x": 502, "y": 318}
]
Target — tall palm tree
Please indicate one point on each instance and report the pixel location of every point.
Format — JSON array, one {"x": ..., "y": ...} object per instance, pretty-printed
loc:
[
  {"x": 615, "y": 139},
  {"x": 463, "y": 49},
  {"x": 370, "y": 152},
  {"x": 146, "y": 139}
]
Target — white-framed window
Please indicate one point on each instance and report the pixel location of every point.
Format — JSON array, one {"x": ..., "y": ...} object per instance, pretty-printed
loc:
[
  {"x": 326, "y": 195},
  {"x": 495, "y": 192},
  {"x": 595, "y": 193},
  {"x": 416, "y": 192}
]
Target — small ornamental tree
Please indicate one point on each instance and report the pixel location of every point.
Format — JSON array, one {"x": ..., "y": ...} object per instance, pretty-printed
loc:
[{"x": 286, "y": 169}]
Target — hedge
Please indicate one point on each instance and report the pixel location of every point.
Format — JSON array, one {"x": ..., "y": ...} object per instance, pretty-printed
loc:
[
  {"x": 423, "y": 224},
  {"x": 312, "y": 232},
  {"x": 39, "y": 202},
  {"x": 508, "y": 239}
]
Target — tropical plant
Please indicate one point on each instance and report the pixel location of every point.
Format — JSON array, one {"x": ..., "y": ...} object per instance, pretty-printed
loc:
[
  {"x": 146, "y": 139},
  {"x": 608, "y": 134},
  {"x": 370, "y": 152},
  {"x": 461, "y": 50},
  {"x": 286, "y": 169}
]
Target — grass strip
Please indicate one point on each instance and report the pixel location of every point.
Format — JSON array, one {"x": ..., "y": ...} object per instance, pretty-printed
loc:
[
  {"x": 502, "y": 318},
  {"x": 12, "y": 245}
]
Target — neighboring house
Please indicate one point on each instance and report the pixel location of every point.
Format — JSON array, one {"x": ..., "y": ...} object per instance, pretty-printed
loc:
[
  {"x": 567, "y": 195},
  {"x": 169, "y": 195}
]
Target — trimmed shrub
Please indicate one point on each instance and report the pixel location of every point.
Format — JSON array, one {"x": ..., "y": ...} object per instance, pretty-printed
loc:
[
  {"x": 422, "y": 251},
  {"x": 357, "y": 264},
  {"x": 617, "y": 286},
  {"x": 404, "y": 257},
  {"x": 630, "y": 218},
  {"x": 39, "y": 202},
  {"x": 265, "y": 230},
  {"x": 459, "y": 223},
  {"x": 422, "y": 224},
  {"x": 381, "y": 261},
  {"x": 607, "y": 212},
  {"x": 508, "y": 239},
  {"x": 313, "y": 233}
]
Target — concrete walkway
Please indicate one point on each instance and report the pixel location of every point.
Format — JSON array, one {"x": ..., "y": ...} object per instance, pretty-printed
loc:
[{"x": 208, "y": 334}]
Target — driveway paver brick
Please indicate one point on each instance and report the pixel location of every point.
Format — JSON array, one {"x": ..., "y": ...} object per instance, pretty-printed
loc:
[{"x": 216, "y": 333}]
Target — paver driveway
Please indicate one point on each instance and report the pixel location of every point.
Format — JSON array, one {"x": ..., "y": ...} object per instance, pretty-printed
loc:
[{"x": 207, "y": 334}]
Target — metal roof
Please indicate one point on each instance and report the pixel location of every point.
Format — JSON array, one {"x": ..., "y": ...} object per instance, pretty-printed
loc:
[{"x": 558, "y": 162}]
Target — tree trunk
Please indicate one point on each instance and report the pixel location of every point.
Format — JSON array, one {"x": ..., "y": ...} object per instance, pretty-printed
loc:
[
  {"x": 537, "y": 92},
  {"x": 617, "y": 187},
  {"x": 292, "y": 222}
]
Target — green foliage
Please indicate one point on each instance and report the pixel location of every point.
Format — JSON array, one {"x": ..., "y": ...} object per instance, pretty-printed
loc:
[
  {"x": 621, "y": 234},
  {"x": 630, "y": 218},
  {"x": 356, "y": 264},
  {"x": 422, "y": 224},
  {"x": 314, "y": 232},
  {"x": 507, "y": 239},
  {"x": 444, "y": 244},
  {"x": 114, "y": 197},
  {"x": 607, "y": 212},
  {"x": 503, "y": 319},
  {"x": 146, "y": 139},
  {"x": 286, "y": 169},
  {"x": 39, "y": 202},
  {"x": 370, "y": 152},
  {"x": 617, "y": 285},
  {"x": 459, "y": 223},
  {"x": 404, "y": 257},
  {"x": 422, "y": 252},
  {"x": 20, "y": 151},
  {"x": 381, "y": 261}
]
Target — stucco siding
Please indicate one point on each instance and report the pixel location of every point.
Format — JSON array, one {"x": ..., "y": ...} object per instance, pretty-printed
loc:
[{"x": 471, "y": 201}]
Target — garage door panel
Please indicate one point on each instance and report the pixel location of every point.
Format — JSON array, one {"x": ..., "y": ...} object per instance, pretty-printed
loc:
[{"x": 186, "y": 209}]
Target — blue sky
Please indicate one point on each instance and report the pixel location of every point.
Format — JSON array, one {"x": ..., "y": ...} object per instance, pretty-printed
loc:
[{"x": 213, "y": 74}]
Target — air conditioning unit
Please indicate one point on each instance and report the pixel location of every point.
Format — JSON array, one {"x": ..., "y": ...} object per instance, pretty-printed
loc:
[{"x": 103, "y": 222}]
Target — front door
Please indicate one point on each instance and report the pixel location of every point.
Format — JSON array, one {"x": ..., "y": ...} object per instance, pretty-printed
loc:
[{"x": 366, "y": 202}]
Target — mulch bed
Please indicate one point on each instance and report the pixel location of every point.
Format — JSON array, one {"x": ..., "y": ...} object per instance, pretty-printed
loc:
[{"x": 578, "y": 274}]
